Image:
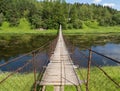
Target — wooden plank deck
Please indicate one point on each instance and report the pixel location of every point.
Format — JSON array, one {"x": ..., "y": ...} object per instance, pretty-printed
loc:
[{"x": 60, "y": 70}]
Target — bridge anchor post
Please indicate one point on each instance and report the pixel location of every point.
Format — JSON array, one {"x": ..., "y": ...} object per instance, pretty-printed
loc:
[
  {"x": 88, "y": 72},
  {"x": 34, "y": 69}
]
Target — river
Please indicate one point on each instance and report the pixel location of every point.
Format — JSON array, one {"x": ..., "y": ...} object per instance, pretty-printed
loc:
[{"x": 108, "y": 44}]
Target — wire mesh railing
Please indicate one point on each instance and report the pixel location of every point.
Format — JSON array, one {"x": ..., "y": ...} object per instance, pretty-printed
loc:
[
  {"x": 96, "y": 71},
  {"x": 24, "y": 72}
]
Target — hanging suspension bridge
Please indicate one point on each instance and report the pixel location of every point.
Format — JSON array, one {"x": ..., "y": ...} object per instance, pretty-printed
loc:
[{"x": 55, "y": 67}]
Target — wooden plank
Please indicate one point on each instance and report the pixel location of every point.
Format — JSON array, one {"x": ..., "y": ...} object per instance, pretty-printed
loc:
[{"x": 60, "y": 70}]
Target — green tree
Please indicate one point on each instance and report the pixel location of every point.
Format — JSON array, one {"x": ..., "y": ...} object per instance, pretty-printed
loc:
[
  {"x": 49, "y": 14},
  {"x": 24, "y": 24},
  {"x": 116, "y": 18}
]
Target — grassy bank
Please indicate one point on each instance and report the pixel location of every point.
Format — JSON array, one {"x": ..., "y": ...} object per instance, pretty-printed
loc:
[
  {"x": 98, "y": 30},
  {"x": 17, "y": 82},
  {"x": 22, "y": 29},
  {"x": 98, "y": 81},
  {"x": 29, "y": 31}
]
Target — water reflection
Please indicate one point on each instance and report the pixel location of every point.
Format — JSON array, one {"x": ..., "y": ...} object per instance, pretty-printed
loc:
[
  {"x": 108, "y": 45},
  {"x": 110, "y": 50},
  {"x": 17, "y": 45},
  {"x": 40, "y": 60},
  {"x": 80, "y": 57}
]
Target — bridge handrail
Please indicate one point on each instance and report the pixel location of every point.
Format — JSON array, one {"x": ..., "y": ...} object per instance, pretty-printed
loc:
[
  {"x": 32, "y": 61},
  {"x": 94, "y": 52},
  {"x": 89, "y": 59},
  {"x": 114, "y": 60}
]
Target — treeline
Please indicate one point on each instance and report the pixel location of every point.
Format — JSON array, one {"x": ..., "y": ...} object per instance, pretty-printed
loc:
[{"x": 48, "y": 14}]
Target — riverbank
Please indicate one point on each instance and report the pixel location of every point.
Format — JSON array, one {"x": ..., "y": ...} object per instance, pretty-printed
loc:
[
  {"x": 98, "y": 30},
  {"x": 30, "y": 31},
  {"x": 98, "y": 81},
  {"x": 87, "y": 30},
  {"x": 19, "y": 82}
]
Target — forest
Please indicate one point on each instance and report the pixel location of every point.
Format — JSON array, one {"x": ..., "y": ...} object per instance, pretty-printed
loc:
[{"x": 48, "y": 14}]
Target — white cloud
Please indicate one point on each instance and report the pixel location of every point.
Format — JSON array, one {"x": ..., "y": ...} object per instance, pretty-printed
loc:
[
  {"x": 109, "y": 4},
  {"x": 97, "y": 1}
]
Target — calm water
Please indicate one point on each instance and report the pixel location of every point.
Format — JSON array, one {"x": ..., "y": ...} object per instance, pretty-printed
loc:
[
  {"x": 13, "y": 46},
  {"x": 108, "y": 45},
  {"x": 109, "y": 49}
]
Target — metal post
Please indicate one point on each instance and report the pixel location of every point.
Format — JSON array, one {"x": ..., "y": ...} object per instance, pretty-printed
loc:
[
  {"x": 34, "y": 69},
  {"x": 88, "y": 72}
]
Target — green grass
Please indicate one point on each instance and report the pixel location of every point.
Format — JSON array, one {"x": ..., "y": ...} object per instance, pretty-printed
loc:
[
  {"x": 20, "y": 31},
  {"x": 49, "y": 88},
  {"x": 24, "y": 27},
  {"x": 98, "y": 81},
  {"x": 98, "y": 30},
  {"x": 17, "y": 82},
  {"x": 70, "y": 88}
]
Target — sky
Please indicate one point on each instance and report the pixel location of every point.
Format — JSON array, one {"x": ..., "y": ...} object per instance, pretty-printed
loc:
[{"x": 111, "y": 3}]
